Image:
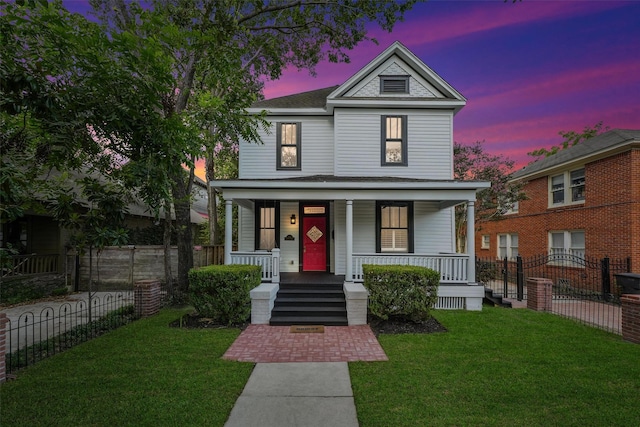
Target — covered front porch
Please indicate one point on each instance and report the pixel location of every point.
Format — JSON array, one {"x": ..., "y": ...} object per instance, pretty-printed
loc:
[{"x": 336, "y": 225}]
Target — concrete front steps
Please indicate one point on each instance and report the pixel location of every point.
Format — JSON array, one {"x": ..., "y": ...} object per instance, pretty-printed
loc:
[
  {"x": 309, "y": 304},
  {"x": 495, "y": 300}
]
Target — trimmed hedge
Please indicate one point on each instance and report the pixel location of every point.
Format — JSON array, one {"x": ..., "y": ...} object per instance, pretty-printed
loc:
[
  {"x": 221, "y": 292},
  {"x": 401, "y": 290}
]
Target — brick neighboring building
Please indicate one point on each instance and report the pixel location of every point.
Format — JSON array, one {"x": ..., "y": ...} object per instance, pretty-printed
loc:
[{"x": 584, "y": 200}]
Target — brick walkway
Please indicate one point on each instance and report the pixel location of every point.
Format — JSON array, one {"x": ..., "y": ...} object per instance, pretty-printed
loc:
[{"x": 276, "y": 344}]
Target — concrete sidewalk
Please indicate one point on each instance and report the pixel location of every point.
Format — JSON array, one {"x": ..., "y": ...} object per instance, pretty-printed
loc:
[{"x": 314, "y": 394}]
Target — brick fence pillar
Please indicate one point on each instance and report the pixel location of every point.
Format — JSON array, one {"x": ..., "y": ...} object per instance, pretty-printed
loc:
[
  {"x": 4, "y": 321},
  {"x": 147, "y": 297},
  {"x": 539, "y": 294},
  {"x": 631, "y": 317}
]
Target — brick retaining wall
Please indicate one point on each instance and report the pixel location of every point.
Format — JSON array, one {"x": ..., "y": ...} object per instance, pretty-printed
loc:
[
  {"x": 539, "y": 294},
  {"x": 631, "y": 318},
  {"x": 147, "y": 297}
]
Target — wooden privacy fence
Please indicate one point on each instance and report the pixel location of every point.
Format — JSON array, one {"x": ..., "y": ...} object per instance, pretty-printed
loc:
[
  {"x": 29, "y": 265},
  {"x": 119, "y": 267}
]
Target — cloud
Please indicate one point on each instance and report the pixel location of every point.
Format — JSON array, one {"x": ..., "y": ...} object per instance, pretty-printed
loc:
[
  {"x": 602, "y": 78},
  {"x": 435, "y": 23}
]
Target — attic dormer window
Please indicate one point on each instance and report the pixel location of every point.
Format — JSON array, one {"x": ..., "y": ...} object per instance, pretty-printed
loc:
[{"x": 394, "y": 84}]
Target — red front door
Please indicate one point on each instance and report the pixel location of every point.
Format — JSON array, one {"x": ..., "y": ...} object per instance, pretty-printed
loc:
[{"x": 314, "y": 243}]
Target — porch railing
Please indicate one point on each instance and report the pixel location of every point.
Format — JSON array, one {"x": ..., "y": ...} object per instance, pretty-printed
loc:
[
  {"x": 22, "y": 265},
  {"x": 452, "y": 267},
  {"x": 269, "y": 261}
]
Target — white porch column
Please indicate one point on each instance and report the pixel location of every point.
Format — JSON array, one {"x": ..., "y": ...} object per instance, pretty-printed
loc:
[
  {"x": 349, "y": 243},
  {"x": 228, "y": 233},
  {"x": 471, "y": 241}
]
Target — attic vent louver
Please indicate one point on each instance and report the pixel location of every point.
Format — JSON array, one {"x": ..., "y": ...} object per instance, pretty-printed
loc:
[{"x": 394, "y": 84}]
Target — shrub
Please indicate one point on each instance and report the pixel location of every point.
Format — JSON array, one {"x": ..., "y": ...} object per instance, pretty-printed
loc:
[
  {"x": 486, "y": 271},
  {"x": 21, "y": 289},
  {"x": 401, "y": 291},
  {"x": 221, "y": 292}
]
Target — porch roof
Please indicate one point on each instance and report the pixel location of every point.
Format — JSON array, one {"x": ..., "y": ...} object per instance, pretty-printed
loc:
[{"x": 329, "y": 187}]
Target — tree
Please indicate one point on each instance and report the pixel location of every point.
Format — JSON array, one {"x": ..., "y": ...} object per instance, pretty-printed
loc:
[
  {"x": 75, "y": 98},
  {"x": 472, "y": 162},
  {"x": 569, "y": 139},
  {"x": 220, "y": 51}
]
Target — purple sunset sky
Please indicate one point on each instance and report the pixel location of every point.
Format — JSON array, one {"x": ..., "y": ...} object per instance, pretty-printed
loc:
[{"x": 528, "y": 70}]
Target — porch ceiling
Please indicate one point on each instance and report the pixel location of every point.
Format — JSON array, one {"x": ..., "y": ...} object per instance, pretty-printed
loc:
[{"x": 447, "y": 192}]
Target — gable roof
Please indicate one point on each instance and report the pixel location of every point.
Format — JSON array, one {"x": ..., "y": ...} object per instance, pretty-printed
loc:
[
  {"x": 434, "y": 91},
  {"x": 310, "y": 99},
  {"x": 599, "y": 146},
  {"x": 416, "y": 65}
]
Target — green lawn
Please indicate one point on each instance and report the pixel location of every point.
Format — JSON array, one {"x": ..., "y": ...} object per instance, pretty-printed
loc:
[
  {"x": 501, "y": 367},
  {"x": 144, "y": 374},
  {"x": 496, "y": 367}
]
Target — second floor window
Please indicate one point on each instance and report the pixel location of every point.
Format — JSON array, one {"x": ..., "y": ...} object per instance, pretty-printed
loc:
[
  {"x": 394, "y": 141},
  {"x": 288, "y": 136},
  {"x": 567, "y": 188}
]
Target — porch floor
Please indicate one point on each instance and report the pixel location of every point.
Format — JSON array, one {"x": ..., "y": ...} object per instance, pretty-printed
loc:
[
  {"x": 312, "y": 278},
  {"x": 276, "y": 344}
]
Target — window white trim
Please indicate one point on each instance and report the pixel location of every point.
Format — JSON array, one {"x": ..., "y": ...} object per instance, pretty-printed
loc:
[
  {"x": 485, "y": 241},
  {"x": 567, "y": 242},
  {"x": 507, "y": 245},
  {"x": 567, "y": 188}
]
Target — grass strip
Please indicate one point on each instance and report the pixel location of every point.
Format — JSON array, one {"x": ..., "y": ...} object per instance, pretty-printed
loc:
[
  {"x": 501, "y": 367},
  {"x": 143, "y": 374}
]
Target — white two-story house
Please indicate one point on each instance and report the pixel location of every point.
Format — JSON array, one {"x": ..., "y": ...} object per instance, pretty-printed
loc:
[{"x": 360, "y": 173}]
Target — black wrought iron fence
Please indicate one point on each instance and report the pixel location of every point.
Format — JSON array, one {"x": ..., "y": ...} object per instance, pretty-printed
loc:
[
  {"x": 584, "y": 288},
  {"x": 36, "y": 333}
]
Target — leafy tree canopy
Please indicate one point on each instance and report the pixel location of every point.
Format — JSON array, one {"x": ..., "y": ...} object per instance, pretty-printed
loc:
[
  {"x": 569, "y": 139},
  {"x": 156, "y": 87},
  {"x": 472, "y": 162}
]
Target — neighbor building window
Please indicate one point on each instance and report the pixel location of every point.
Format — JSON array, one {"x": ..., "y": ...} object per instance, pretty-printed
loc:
[
  {"x": 569, "y": 242},
  {"x": 394, "y": 140},
  {"x": 288, "y": 136},
  {"x": 267, "y": 224},
  {"x": 395, "y": 227},
  {"x": 394, "y": 84},
  {"x": 507, "y": 246},
  {"x": 577, "y": 185},
  {"x": 567, "y": 188},
  {"x": 486, "y": 241}
]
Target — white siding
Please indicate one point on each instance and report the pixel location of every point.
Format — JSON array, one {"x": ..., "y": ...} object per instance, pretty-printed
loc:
[
  {"x": 364, "y": 226},
  {"x": 364, "y": 230},
  {"x": 246, "y": 230},
  {"x": 416, "y": 87},
  {"x": 432, "y": 228},
  {"x": 289, "y": 249},
  {"x": 358, "y": 139},
  {"x": 259, "y": 160}
]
